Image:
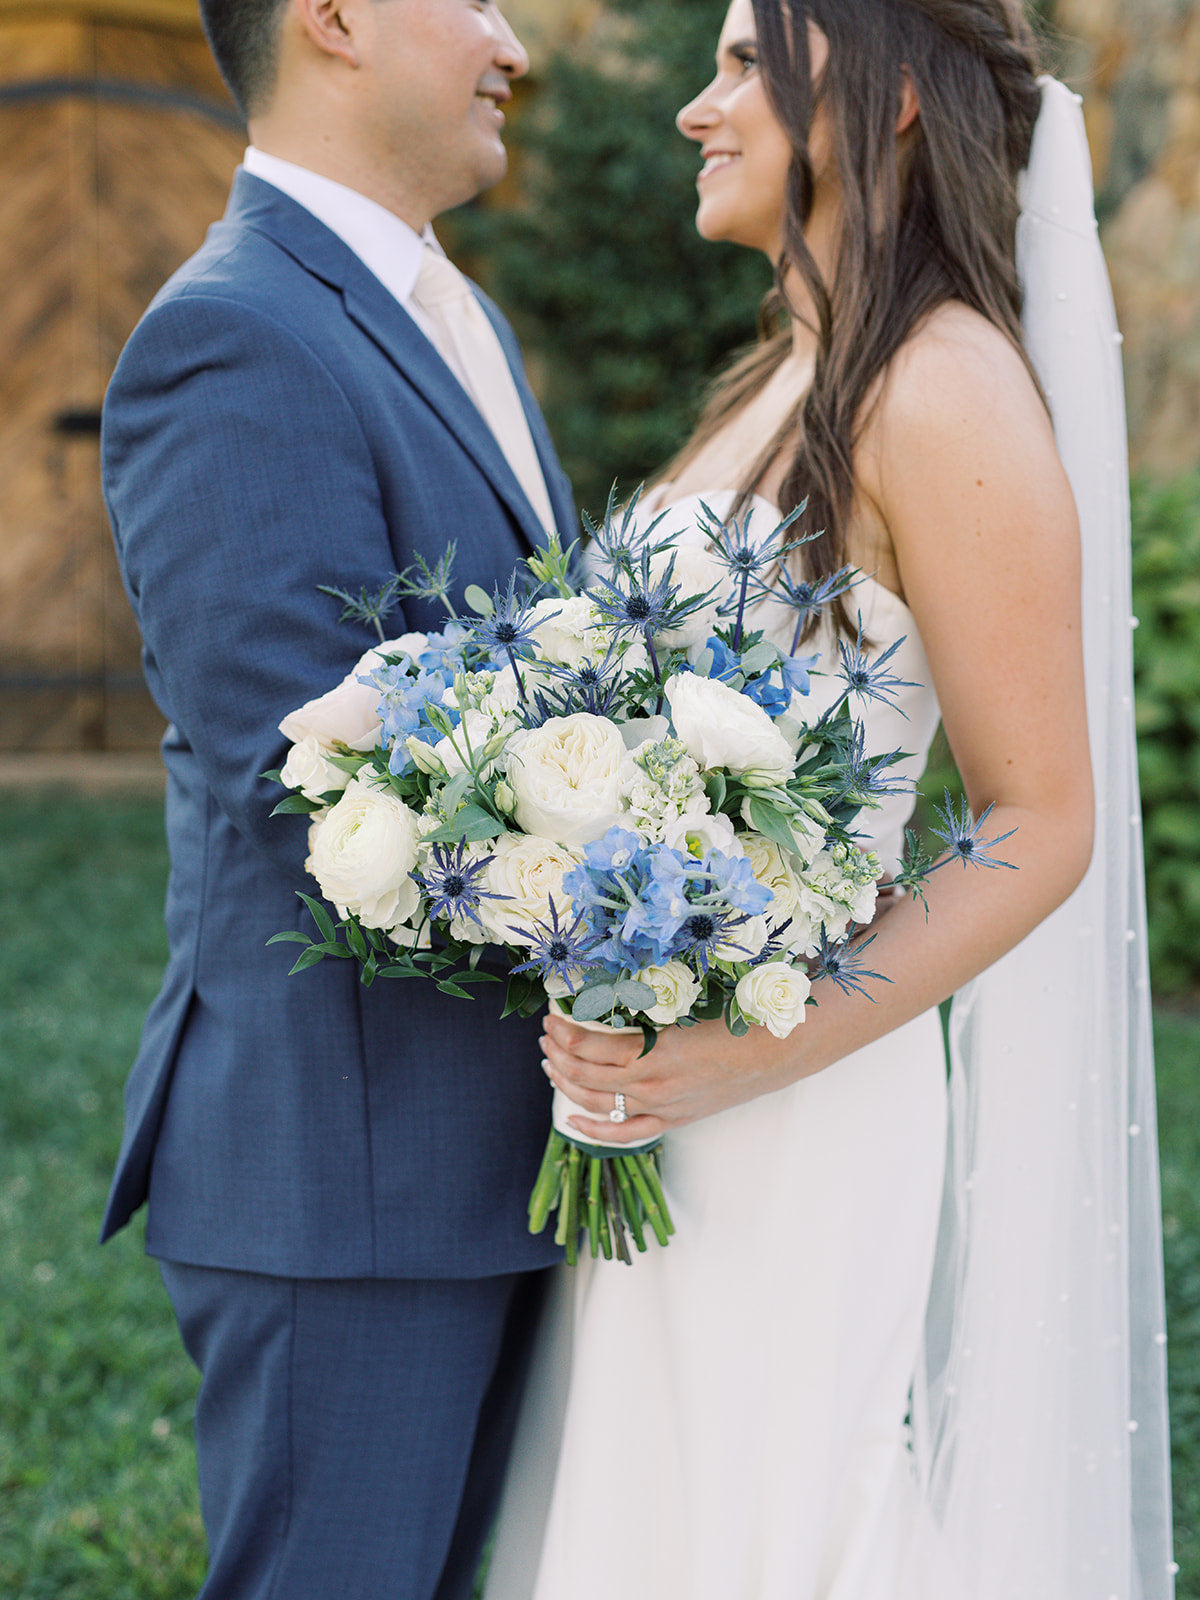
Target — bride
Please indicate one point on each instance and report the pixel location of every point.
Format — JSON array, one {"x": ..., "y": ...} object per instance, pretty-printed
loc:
[{"x": 889, "y": 1353}]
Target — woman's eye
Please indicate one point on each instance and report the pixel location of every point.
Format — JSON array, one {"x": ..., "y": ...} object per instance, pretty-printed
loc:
[{"x": 745, "y": 59}]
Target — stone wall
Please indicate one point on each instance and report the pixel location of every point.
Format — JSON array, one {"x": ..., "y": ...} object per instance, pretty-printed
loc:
[{"x": 1137, "y": 65}]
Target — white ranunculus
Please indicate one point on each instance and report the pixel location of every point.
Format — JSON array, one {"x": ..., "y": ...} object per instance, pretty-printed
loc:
[
  {"x": 698, "y": 831},
  {"x": 696, "y": 571},
  {"x": 349, "y": 713},
  {"x": 528, "y": 872},
  {"x": 362, "y": 852},
  {"x": 565, "y": 776},
  {"x": 773, "y": 995},
  {"x": 724, "y": 729},
  {"x": 309, "y": 769},
  {"x": 676, "y": 987}
]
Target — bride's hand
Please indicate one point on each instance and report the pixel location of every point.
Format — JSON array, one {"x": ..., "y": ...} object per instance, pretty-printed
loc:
[{"x": 690, "y": 1073}]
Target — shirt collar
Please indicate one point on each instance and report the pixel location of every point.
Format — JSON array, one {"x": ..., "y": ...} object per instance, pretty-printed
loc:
[{"x": 384, "y": 244}]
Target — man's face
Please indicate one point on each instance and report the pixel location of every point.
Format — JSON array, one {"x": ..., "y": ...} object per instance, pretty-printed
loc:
[{"x": 437, "y": 75}]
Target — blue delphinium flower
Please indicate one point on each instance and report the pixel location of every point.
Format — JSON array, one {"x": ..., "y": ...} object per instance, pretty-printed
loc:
[
  {"x": 451, "y": 884},
  {"x": 403, "y": 708}
]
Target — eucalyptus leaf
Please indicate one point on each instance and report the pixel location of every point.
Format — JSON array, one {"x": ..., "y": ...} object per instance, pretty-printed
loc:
[
  {"x": 594, "y": 1003},
  {"x": 479, "y": 600},
  {"x": 760, "y": 659},
  {"x": 635, "y": 995}
]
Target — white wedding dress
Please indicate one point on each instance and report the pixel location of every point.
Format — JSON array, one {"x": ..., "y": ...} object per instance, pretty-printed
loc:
[{"x": 735, "y": 1404}]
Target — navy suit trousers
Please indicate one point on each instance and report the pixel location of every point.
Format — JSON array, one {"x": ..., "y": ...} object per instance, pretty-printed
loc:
[{"x": 351, "y": 1434}]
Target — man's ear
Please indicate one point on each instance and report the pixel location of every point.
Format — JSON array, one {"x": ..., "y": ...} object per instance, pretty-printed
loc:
[
  {"x": 910, "y": 106},
  {"x": 331, "y": 26}
]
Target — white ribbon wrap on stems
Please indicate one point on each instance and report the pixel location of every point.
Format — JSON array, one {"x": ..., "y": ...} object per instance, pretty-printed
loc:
[
  {"x": 564, "y": 1107},
  {"x": 1039, "y": 1413}
]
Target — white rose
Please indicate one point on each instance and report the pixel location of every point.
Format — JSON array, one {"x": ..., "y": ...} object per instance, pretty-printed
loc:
[
  {"x": 347, "y": 714},
  {"x": 362, "y": 853},
  {"x": 724, "y": 729},
  {"x": 774, "y": 995},
  {"x": 697, "y": 832},
  {"x": 528, "y": 872},
  {"x": 309, "y": 769},
  {"x": 565, "y": 776},
  {"x": 676, "y": 986}
]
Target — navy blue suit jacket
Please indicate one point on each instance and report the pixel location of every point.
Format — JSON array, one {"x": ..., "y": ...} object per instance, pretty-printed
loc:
[{"x": 277, "y": 421}]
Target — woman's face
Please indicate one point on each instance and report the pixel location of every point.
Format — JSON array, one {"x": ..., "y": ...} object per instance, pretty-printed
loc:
[{"x": 743, "y": 182}]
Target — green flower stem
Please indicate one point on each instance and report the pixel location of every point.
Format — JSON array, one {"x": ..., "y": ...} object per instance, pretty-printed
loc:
[
  {"x": 648, "y": 1163},
  {"x": 571, "y": 1183},
  {"x": 615, "y": 1216},
  {"x": 631, "y": 1208},
  {"x": 653, "y": 1213},
  {"x": 548, "y": 1183},
  {"x": 593, "y": 1205}
]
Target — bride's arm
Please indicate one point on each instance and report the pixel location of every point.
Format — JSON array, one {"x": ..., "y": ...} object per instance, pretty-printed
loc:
[{"x": 960, "y": 465}]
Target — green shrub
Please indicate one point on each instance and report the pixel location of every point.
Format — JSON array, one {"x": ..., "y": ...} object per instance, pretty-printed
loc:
[
  {"x": 624, "y": 311},
  {"x": 1166, "y": 601}
]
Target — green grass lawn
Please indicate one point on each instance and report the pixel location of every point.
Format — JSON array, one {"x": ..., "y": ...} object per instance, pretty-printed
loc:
[{"x": 97, "y": 1489}]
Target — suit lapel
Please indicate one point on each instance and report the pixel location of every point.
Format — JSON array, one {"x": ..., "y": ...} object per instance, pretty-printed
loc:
[{"x": 259, "y": 205}]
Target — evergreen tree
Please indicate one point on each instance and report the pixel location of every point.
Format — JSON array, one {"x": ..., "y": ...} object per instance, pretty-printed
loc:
[{"x": 624, "y": 311}]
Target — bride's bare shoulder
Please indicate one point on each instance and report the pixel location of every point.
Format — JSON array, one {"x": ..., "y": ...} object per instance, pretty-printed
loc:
[
  {"x": 955, "y": 369},
  {"x": 957, "y": 389}
]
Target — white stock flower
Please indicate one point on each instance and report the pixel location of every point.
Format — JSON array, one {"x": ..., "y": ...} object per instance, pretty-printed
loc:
[
  {"x": 348, "y": 713},
  {"x": 773, "y": 995},
  {"x": 659, "y": 782},
  {"x": 362, "y": 852},
  {"x": 455, "y": 750},
  {"x": 528, "y": 872},
  {"x": 697, "y": 832},
  {"x": 565, "y": 776},
  {"x": 309, "y": 769},
  {"x": 676, "y": 987},
  {"x": 724, "y": 729}
]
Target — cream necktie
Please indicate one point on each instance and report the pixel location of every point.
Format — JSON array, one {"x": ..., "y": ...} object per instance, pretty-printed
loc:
[{"x": 472, "y": 350}]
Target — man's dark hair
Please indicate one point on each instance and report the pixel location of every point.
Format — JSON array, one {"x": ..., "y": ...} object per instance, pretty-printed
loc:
[{"x": 243, "y": 36}]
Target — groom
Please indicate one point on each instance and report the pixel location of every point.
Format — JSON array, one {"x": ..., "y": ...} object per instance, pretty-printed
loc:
[{"x": 336, "y": 1176}]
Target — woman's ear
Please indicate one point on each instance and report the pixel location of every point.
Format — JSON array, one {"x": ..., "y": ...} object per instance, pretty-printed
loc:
[{"x": 910, "y": 106}]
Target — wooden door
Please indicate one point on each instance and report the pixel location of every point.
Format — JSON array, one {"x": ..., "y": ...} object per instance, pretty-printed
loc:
[{"x": 117, "y": 147}]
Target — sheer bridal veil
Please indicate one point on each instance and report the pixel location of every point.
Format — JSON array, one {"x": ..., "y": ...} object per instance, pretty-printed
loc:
[{"x": 1039, "y": 1416}]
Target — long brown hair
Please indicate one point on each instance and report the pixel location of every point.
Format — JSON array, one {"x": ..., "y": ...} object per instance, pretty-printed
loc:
[{"x": 918, "y": 230}]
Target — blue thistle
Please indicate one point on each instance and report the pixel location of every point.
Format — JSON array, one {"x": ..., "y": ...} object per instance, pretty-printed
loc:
[
  {"x": 511, "y": 629},
  {"x": 558, "y": 951},
  {"x": 843, "y": 965},
  {"x": 451, "y": 884},
  {"x": 961, "y": 836},
  {"x": 868, "y": 679}
]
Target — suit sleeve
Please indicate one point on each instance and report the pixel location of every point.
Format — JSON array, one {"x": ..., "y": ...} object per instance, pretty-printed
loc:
[{"x": 238, "y": 478}]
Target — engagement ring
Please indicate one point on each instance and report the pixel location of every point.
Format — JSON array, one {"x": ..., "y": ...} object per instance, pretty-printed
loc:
[{"x": 618, "y": 1112}]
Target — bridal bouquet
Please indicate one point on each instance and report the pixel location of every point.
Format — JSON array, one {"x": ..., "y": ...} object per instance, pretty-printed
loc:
[{"x": 613, "y": 779}]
